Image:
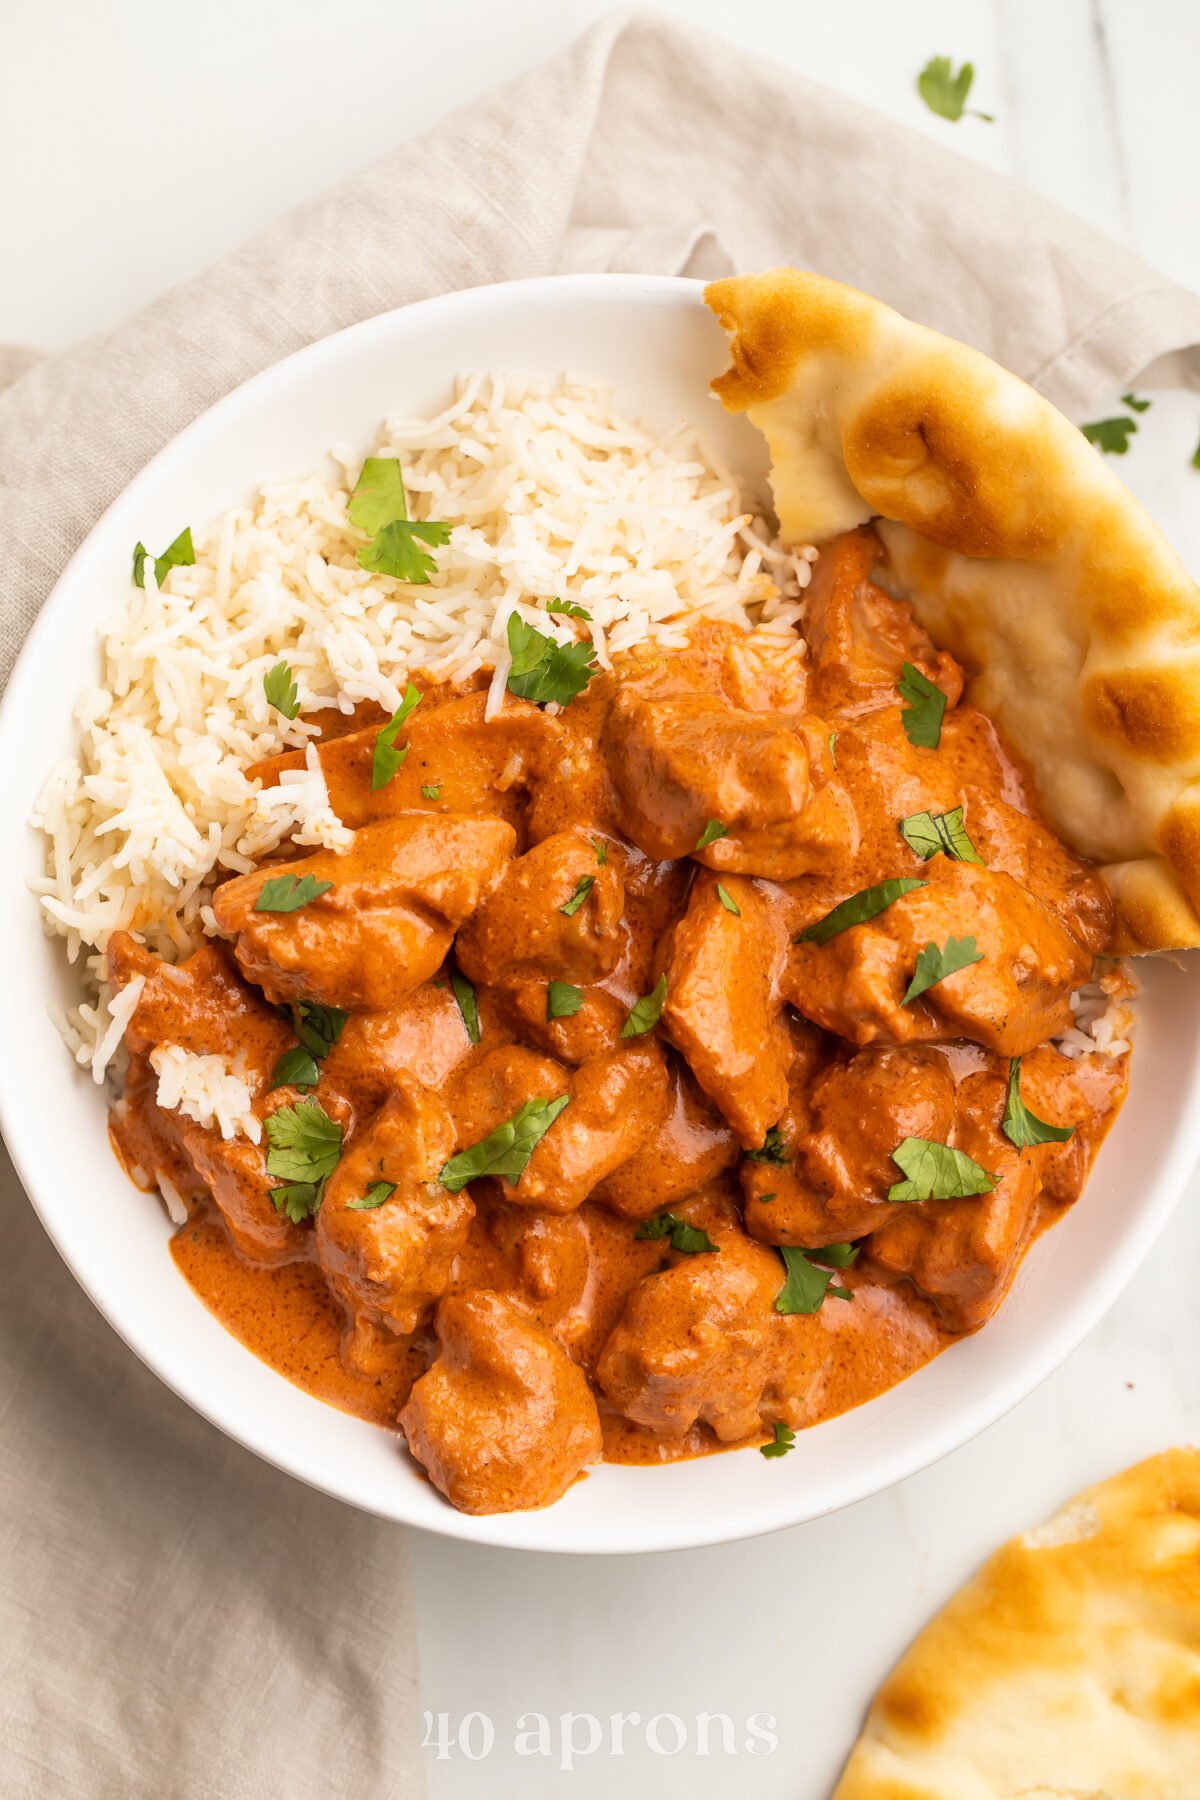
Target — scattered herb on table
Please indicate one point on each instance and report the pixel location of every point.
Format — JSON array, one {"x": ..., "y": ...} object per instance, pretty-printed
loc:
[
  {"x": 506, "y": 1150},
  {"x": 288, "y": 893},
  {"x": 1110, "y": 435},
  {"x": 689, "y": 1240},
  {"x": 924, "y": 709},
  {"x": 857, "y": 910},
  {"x": 379, "y": 507},
  {"x": 1023, "y": 1127},
  {"x": 386, "y": 758},
  {"x": 933, "y": 965},
  {"x": 1132, "y": 401},
  {"x": 279, "y": 685},
  {"x": 937, "y": 1172},
  {"x": 179, "y": 555},
  {"x": 645, "y": 1013},
  {"x": 945, "y": 92}
]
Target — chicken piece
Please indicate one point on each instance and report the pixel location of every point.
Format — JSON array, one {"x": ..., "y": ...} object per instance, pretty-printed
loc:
[
  {"x": 422, "y": 1035},
  {"x": 690, "y": 1149},
  {"x": 203, "y": 1006},
  {"x": 388, "y": 1262},
  {"x": 595, "y": 1030},
  {"x": 964, "y": 1253},
  {"x": 478, "y": 765},
  {"x": 723, "y": 1008},
  {"x": 1018, "y": 995},
  {"x": 859, "y": 638},
  {"x": 701, "y": 1340},
  {"x": 680, "y": 759},
  {"x": 839, "y": 1137},
  {"x": 397, "y": 896},
  {"x": 504, "y": 1420},
  {"x": 1083, "y": 1091},
  {"x": 554, "y": 915},
  {"x": 614, "y": 1104}
]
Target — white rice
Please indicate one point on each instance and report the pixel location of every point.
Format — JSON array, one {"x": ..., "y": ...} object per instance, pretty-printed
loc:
[
  {"x": 551, "y": 493},
  {"x": 205, "y": 1089},
  {"x": 1102, "y": 1017}
]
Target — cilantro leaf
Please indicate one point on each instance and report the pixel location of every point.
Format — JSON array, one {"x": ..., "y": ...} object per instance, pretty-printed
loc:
[
  {"x": 1023, "y": 1127},
  {"x": 833, "y": 737},
  {"x": 944, "y": 92},
  {"x": 431, "y": 791},
  {"x": 179, "y": 555},
  {"x": 689, "y": 1240},
  {"x": 856, "y": 910},
  {"x": 298, "y": 1199},
  {"x": 385, "y": 758},
  {"x": 318, "y": 1027},
  {"x": 712, "y": 831},
  {"x": 379, "y": 506},
  {"x": 305, "y": 1145},
  {"x": 288, "y": 893},
  {"x": 937, "y": 1172},
  {"x": 933, "y": 965},
  {"x": 927, "y": 833},
  {"x": 468, "y": 1006},
  {"x": 806, "y": 1285},
  {"x": 924, "y": 710},
  {"x": 727, "y": 901},
  {"x": 1196, "y": 457},
  {"x": 374, "y": 1196},
  {"x": 279, "y": 686},
  {"x": 783, "y": 1440},
  {"x": 771, "y": 1150},
  {"x": 837, "y": 1256},
  {"x": 645, "y": 1013},
  {"x": 543, "y": 669},
  {"x": 570, "y": 608},
  {"x": 600, "y": 846},
  {"x": 583, "y": 888},
  {"x": 1136, "y": 405},
  {"x": 296, "y": 1068},
  {"x": 506, "y": 1150},
  {"x": 562, "y": 1000},
  {"x": 1110, "y": 435}
]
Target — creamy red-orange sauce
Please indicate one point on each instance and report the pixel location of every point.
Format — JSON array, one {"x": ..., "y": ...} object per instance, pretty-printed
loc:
[{"x": 807, "y": 764}]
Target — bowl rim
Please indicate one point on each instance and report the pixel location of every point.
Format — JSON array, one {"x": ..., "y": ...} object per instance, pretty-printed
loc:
[{"x": 657, "y": 1530}]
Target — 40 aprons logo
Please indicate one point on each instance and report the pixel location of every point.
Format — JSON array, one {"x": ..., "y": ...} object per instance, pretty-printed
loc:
[{"x": 569, "y": 1737}]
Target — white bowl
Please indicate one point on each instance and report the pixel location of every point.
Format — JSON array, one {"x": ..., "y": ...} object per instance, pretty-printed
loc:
[{"x": 657, "y": 342}]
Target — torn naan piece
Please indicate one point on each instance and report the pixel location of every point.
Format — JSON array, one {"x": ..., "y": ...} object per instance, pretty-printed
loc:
[
  {"x": 1068, "y": 1669},
  {"x": 1021, "y": 551}
]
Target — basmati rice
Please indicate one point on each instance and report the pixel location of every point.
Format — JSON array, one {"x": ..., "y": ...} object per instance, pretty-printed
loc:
[
  {"x": 552, "y": 494},
  {"x": 205, "y": 1089}
]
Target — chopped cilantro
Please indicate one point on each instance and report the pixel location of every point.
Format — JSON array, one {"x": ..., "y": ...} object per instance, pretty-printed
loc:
[
  {"x": 386, "y": 759},
  {"x": 727, "y": 901},
  {"x": 374, "y": 1196},
  {"x": 645, "y": 1013},
  {"x": 1022, "y": 1127},
  {"x": 857, "y": 910},
  {"x": 583, "y": 888},
  {"x": 545, "y": 670},
  {"x": 562, "y": 1000},
  {"x": 933, "y": 965},
  {"x": 379, "y": 507},
  {"x": 468, "y": 1006},
  {"x": 279, "y": 686},
  {"x": 928, "y": 833},
  {"x": 1110, "y": 435},
  {"x": 179, "y": 555},
  {"x": 924, "y": 709},
  {"x": 689, "y": 1240},
  {"x": 783, "y": 1440},
  {"x": 937, "y": 1172},
  {"x": 712, "y": 831},
  {"x": 506, "y": 1150},
  {"x": 945, "y": 93},
  {"x": 288, "y": 893}
]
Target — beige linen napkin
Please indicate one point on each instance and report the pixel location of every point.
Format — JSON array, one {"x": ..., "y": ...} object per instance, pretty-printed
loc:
[{"x": 177, "y": 1619}]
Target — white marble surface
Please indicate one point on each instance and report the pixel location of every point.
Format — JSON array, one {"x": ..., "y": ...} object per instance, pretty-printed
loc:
[{"x": 162, "y": 136}]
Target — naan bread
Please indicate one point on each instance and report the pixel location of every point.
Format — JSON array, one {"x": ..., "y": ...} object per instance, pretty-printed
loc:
[
  {"x": 1022, "y": 552},
  {"x": 1068, "y": 1669}
]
